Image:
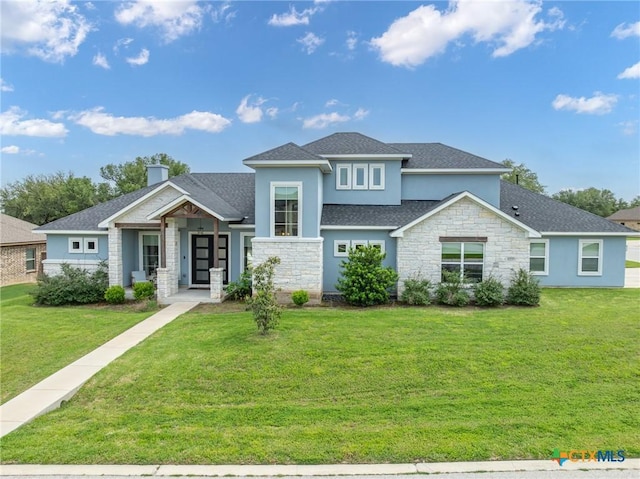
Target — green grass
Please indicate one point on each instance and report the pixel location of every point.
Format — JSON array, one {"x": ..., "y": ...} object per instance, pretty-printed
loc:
[
  {"x": 360, "y": 386},
  {"x": 38, "y": 341},
  {"x": 631, "y": 264}
]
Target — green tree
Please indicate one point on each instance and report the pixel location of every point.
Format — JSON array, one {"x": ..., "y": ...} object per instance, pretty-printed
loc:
[
  {"x": 132, "y": 175},
  {"x": 599, "y": 202},
  {"x": 41, "y": 199},
  {"x": 523, "y": 176}
]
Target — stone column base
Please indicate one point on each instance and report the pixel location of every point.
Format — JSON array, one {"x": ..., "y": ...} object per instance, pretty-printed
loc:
[{"x": 215, "y": 278}]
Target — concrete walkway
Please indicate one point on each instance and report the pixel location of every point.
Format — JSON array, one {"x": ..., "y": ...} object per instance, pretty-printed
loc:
[{"x": 49, "y": 393}]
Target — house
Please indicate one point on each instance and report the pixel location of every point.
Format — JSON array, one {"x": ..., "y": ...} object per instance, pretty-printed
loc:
[
  {"x": 429, "y": 206},
  {"x": 22, "y": 251},
  {"x": 629, "y": 218}
]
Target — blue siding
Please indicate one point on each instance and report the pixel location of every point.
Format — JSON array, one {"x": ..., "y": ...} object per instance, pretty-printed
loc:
[
  {"x": 437, "y": 187},
  {"x": 311, "y": 198},
  {"x": 389, "y": 196},
  {"x": 563, "y": 263},
  {"x": 331, "y": 263},
  {"x": 58, "y": 247},
  {"x": 130, "y": 254}
]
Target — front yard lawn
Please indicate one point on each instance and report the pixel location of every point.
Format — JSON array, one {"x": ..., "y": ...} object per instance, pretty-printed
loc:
[
  {"x": 38, "y": 341},
  {"x": 335, "y": 385}
]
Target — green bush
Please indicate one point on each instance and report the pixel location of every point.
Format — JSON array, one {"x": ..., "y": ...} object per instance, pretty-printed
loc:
[
  {"x": 72, "y": 286},
  {"x": 240, "y": 289},
  {"x": 489, "y": 292},
  {"x": 114, "y": 294},
  {"x": 363, "y": 280},
  {"x": 416, "y": 291},
  {"x": 300, "y": 297},
  {"x": 524, "y": 289},
  {"x": 451, "y": 291},
  {"x": 263, "y": 303},
  {"x": 143, "y": 290}
]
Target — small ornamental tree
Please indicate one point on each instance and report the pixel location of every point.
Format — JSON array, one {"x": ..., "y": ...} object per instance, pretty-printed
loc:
[
  {"x": 263, "y": 303},
  {"x": 363, "y": 280}
]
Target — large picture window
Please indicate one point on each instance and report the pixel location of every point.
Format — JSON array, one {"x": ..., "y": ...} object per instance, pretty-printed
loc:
[
  {"x": 539, "y": 257},
  {"x": 466, "y": 259},
  {"x": 286, "y": 209},
  {"x": 590, "y": 258}
]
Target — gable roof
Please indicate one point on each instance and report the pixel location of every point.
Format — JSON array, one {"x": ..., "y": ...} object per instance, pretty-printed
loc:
[
  {"x": 351, "y": 143},
  {"x": 289, "y": 154},
  {"x": 629, "y": 214},
  {"x": 426, "y": 156},
  {"x": 14, "y": 231},
  {"x": 391, "y": 216},
  {"x": 547, "y": 215}
]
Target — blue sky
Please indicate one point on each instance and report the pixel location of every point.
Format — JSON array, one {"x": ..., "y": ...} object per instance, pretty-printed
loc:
[{"x": 555, "y": 85}]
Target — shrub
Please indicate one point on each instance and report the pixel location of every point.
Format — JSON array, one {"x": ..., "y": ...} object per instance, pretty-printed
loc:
[
  {"x": 363, "y": 280},
  {"x": 416, "y": 291},
  {"x": 240, "y": 289},
  {"x": 489, "y": 292},
  {"x": 263, "y": 303},
  {"x": 524, "y": 289},
  {"x": 143, "y": 290},
  {"x": 114, "y": 295},
  {"x": 72, "y": 286},
  {"x": 300, "y": 297},
  {"x": 451, "y": 291}
]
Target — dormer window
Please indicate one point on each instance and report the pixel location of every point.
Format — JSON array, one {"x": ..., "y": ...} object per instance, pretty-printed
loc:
[{"x": 360, "y": 176}]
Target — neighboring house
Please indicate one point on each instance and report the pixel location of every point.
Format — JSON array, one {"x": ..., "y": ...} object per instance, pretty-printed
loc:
[
  {"x": 430, "y": 207},
  {"x": 22, "y": 251},
  {"x": 629, "y": 218}
]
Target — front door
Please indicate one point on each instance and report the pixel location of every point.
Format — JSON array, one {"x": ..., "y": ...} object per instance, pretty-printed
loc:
[{"x": 202, "y": 258}]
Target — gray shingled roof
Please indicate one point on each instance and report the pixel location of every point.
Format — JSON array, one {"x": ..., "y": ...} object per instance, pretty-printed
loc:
[
  {"x": 630, "y": 214},
  {"x": 437, "y": 155},
  {"x": 376, "y": 215},
  {"x": 288, "y": 152},
  {"x": 545, "y": 214},
  {"x": 14, "y": 231},
  {"x": 350, "y": 144},
  {"x": 236, "y": 188}
]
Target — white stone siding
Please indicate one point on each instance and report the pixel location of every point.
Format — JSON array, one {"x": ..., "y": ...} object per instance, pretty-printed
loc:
[
  {"x": 419, "y": 250},
  {"x": 173, "y": 255},
  {"x": 53, "y": 267},
  {"x": 216, "y": 291},
  {"x": 116, "y": 276},
  {"x": 300, "y": 264},
  {"x": 140, "y": 212}
]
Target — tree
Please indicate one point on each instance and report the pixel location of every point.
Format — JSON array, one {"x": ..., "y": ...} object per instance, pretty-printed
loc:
[
  {"x": 599, "y": 202},
  {"x": 523, "y": 176},
  {"x": 132, "y": 175},
  {"x": 44, "y": 198}
]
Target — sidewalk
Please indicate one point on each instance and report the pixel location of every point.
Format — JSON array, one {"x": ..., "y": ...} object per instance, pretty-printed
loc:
[{"x": 49, "y": 393}]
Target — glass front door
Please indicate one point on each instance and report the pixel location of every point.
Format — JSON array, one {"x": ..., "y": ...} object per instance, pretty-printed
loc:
[{"x": 202, "y": 258}]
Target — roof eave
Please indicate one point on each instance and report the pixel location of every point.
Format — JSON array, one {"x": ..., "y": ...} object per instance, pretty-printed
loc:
[
  {"x": 454, "y": 171},
  {"x": 362, "y": 156},
  {"x": 591, "y": 233},
  {"x": 324, "y": 166}
]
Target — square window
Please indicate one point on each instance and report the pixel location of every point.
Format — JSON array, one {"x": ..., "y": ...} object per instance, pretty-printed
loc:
[
  {"x": 341, "y": 248},
  {"x": 467, "y": 259},
  {"x": 91, "y": 245},
  {"x": 377, "y": 244},
  {"x": 357, "y": 244},
  {"x": 75, "y": 245}
]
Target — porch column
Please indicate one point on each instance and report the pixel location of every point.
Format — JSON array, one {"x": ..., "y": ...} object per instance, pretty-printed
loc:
[
  {"x": 163, "y": 242},
  {"x": 216, "y": 292},
  {"x": 216, "y": 241},
  {"x": 116, "y": 275},
  {"x": 172, "y": 255}
]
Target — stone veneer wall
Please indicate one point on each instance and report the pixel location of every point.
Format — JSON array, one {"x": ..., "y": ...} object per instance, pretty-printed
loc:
[
  {"x": 300, "y": 264},
  {"x": 419, "y": 251}
]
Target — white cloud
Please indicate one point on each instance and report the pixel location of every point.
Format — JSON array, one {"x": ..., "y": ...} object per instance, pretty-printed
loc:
[
  {"x": 332, "y": 102},
  {"x": 50, "y": 30},
  {"x": 631, "y": 73},
  {"x": 310, "y": 42},
  {"x": 12, "y": 124},
  {"x": 629, "y": 128},
  {"x": 250, "y": 113},
  {"x": 4, "y": 86},
  {"x": 174, "y": 19},
  {"x": 324, "y": 120},
  {"x": 272, "y": 112},
  {"x": 220, "y": 14},
  {"x": 352, "y": 40},
  {"x": 103, "y": 123},
  {"x": 623, "y": 31},
  {"x": 292, "y": 17},
  {"x": 598, "y": 104},
  {"x": 123, "y": 42},
  {"x": 141, "y": 59},
  {"x": 425, "y": 32},
  {"x": 100, "y": 60},
  {"x": 360, "y": 114},
  {"x": 10, "y": 150}
]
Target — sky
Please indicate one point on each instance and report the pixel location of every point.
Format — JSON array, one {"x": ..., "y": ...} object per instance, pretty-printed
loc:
[{"x": 553, "y": 85}]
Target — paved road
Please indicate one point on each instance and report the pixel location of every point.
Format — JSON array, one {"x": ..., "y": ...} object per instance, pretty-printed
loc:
[{"x": 633, "y": 250}]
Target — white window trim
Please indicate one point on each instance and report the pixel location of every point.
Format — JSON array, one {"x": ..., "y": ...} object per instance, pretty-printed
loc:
[
  {"x": 348, "y": 185},
  {"x": 462, "y": 263},
  {"x": 140, "y": 250},
  {"x": 378, "y": 242},
  {"x": 273, "y": 186},
  {"x": 372, "y": 167},
  {"x": 365, "y": 169},
  {"x": 86, "y": 245},
  {"x": 545, "y": 272},
  {"x": 355, "y": 243},
  {"x": 336, "y": 244},
  {"x": 581, "y": 243},
  {"x": 80, "y": 248},
  {"x": 28, "y": 260},
  {"x": 242, "y": 238}
]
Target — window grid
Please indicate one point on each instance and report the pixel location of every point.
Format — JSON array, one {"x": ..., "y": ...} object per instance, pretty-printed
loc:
[
  {"x": 467, "y": 259},
  {"x": 539, "y": 257},
  {"x": 30, "y": 259},
  {"x": 590, "y": 258}
]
